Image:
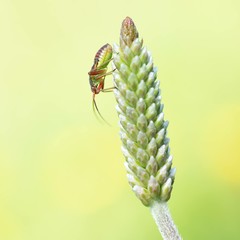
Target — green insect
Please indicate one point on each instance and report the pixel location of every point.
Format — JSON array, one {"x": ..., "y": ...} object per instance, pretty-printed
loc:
[{"x": 98, "y": 73}]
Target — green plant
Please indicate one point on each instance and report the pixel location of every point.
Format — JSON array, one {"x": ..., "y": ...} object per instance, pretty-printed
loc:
[{"x": 143, "y": 128}]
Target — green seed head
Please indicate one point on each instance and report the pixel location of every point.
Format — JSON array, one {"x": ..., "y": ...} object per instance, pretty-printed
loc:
[{"x": 142, "y": 126}]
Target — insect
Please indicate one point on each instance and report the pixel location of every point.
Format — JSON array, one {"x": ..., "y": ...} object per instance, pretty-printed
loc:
[{"x": 98, "y": 73}]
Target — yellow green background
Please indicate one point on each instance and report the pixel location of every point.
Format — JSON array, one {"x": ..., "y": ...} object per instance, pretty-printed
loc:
[{"x": 61, "y": 171}]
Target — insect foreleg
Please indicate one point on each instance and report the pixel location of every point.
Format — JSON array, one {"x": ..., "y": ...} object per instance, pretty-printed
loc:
[{"x": 95, "y": 72}]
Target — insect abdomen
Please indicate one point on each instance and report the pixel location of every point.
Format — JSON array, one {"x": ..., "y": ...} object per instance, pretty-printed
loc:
[{"x": 103, "y": 56}]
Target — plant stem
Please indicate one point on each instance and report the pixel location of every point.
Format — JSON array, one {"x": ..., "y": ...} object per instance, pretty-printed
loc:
[{"x": 163, "y": 219}]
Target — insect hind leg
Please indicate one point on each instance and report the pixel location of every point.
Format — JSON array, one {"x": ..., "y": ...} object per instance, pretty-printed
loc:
[{"x": 110, "y": 89}]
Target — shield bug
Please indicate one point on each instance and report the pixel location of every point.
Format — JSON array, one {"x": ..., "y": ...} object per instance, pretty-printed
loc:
[{"x": 98, "y": 73}]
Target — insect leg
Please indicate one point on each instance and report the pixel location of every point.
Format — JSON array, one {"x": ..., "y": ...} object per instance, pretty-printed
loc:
[
  {"x": 104, "y": 63},
  {"x": 105, "y": 74},
  {"x": 95, "y": 72},
  {"x": 108, "y": 89}
]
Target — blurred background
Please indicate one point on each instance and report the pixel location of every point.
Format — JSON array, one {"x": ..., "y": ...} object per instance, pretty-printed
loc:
[{"x": 61, "y": 171}]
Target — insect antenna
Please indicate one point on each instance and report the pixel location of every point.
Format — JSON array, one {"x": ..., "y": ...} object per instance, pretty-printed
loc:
[{"x": 95, "y": 108}]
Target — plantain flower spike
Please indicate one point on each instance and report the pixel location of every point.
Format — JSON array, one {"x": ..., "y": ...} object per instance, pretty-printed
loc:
[{"x": 142, "y": 126}]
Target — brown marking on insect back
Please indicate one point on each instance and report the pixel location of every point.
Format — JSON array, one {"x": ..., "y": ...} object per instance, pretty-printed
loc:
[{"x": 99, "y": 52}]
